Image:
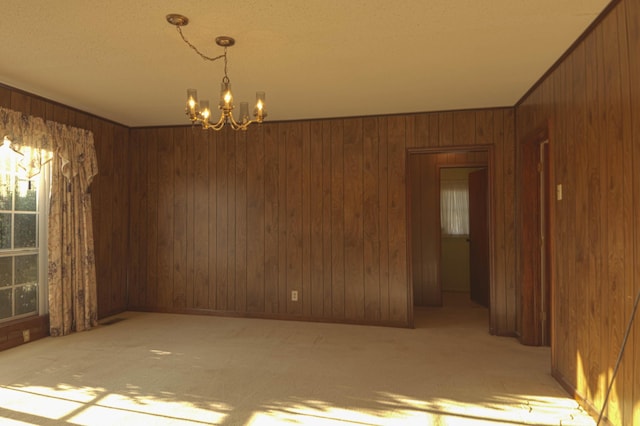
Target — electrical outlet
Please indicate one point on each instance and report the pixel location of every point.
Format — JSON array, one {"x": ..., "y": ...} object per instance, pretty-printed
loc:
[
  {"x": 294, "y": 295},
  {"x": 26, "y": 336}
]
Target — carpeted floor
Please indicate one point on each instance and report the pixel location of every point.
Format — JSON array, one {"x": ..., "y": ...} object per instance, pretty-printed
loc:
[{"x": 162, "y": 369}]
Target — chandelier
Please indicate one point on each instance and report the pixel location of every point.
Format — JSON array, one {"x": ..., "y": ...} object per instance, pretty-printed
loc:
[{"x": 200, "y": 113}]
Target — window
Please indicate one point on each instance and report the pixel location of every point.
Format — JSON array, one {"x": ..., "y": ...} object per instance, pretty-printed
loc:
[
  {"x": 454, "y": 207},
  {"x": 22, "y": 239}
]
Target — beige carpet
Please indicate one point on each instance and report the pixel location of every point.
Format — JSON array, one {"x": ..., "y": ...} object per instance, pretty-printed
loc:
[{"x": 161, "y": 369}]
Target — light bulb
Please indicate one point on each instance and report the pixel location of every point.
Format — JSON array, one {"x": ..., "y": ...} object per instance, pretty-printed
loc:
[
  {"x": 192, "y": 102},
  {"x": 205, "y": 112}
]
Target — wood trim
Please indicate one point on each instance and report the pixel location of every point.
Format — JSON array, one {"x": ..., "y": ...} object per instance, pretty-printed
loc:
[
  {"x": 278, "y": 316},
  {"x": 529, "y": 331},
  {"x": 585, "y": 403},
  {"x": 54, "y": 104}
]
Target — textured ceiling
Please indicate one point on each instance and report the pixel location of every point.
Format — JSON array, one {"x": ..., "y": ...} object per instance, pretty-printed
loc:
[{"x": 121, "y": 60}]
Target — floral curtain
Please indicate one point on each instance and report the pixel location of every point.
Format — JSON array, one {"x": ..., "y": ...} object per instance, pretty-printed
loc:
[
  {"x": 73, "y": 302},
  {"x": 72, "y": 273}
]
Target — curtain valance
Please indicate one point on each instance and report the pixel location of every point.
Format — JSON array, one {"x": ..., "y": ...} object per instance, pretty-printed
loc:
[{"x": 38, "y": 140}]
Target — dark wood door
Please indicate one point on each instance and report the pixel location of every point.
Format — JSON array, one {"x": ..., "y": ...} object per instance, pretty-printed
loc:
[{"x": 479, "y": 237}]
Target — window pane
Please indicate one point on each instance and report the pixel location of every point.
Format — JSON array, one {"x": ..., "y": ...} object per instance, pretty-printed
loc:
[
  {"x": 5, "y": 303},
  {"x": 6, "y": 274},
  {"x": 26, "y": 299},
  {"x": 25, "y": 230},
  {"x": 25, "y": 195},
  {"x": 5, "y": 192},
  {"x": 27, "y": 269},
  {"x": 5, "y": 231}
]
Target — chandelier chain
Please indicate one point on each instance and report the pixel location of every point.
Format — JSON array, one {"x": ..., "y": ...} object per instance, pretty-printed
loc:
[
  {"x": 202, "y": 55},
  {"x": 225, "y": 79}
]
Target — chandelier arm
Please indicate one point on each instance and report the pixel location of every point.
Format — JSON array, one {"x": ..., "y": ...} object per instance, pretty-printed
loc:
[
  {"x": 202, "y": 55},
  {"x": 233, "y": 122},
  {"x": 220, "y": 124}
]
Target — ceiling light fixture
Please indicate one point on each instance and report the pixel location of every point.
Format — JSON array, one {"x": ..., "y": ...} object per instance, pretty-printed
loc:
[{"x": 201, "y": 113}]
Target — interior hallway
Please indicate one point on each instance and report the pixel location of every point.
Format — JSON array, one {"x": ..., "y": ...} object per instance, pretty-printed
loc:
[{"x": 164, "y": 369}]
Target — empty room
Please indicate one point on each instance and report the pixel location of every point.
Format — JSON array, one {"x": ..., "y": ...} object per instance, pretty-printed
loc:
[{"x": 400, "y": 212}]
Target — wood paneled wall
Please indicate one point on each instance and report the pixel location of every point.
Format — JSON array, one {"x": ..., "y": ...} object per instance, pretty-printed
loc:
[
  {"x": 108, "y": 191},
  {"x": 232, "y": 222},
  {"x": 592, "y": 103},
  {"x": 424, "y": 187}
]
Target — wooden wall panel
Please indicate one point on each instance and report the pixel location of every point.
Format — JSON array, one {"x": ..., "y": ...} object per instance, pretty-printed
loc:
[
  {"x": 5, "y": 97},
  {"x": 371, "y": 221},
  {"x": 591, "y": 102},
  {"x": 383, "y": 194},
  {"x": 317, "y": 207},
  {"x": 632, "y": 390},
  {"x": 255, "y": 244},
  {"x": 396, "y": 157},
  {"x": 425, "y": 235},
  {"x": 326, "y": 217},
  {"x": 271, "y": 218},
  {"x": 353, "y": 220},
  {"x": 504, "y": 126},
  {"x": 316, "y": 254},
  {"x": 280, "y": 303},
  {"x": 293, "y": 219},
  {"x": 306, "y": 219},
  {"x": 231, "y": 285},
  {"x": 181, "y": 205},
  {"x": 337, "y": 220}
]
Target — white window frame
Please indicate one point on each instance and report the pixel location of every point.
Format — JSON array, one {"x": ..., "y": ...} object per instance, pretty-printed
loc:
[{"x": 42, "y": 305}]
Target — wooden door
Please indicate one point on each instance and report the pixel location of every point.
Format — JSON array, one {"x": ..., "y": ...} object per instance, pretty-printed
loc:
[{"x": 479, "y": 237}]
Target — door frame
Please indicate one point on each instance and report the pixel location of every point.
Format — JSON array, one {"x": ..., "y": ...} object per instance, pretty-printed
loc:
[
  {"x": 489, "y": 149},
  {"x": 531, "y": 288}
]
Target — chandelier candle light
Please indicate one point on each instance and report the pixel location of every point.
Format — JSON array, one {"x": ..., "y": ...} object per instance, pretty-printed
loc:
[{"x": 200, "y": 113}]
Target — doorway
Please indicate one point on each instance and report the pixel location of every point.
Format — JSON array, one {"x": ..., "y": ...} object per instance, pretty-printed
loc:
[
  {"x": 424, "y": 222},
  {"x": 464, "y": 237}
]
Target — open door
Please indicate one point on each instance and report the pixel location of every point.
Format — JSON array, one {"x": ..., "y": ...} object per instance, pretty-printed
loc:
[{"x": 479, "y": 237}]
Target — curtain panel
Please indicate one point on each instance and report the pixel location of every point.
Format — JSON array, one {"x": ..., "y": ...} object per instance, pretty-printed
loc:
[
  {"x": 73, "y": 302},
  {"x": 454, "y": 207},
  {"x": 71, "y": 260}
]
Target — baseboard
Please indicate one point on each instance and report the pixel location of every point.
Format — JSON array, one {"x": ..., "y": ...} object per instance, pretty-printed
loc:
[
  {"x": 584, "y": 403},
  {"x": 24, "y": 330},
  {"x": 261, "y": 315}
]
